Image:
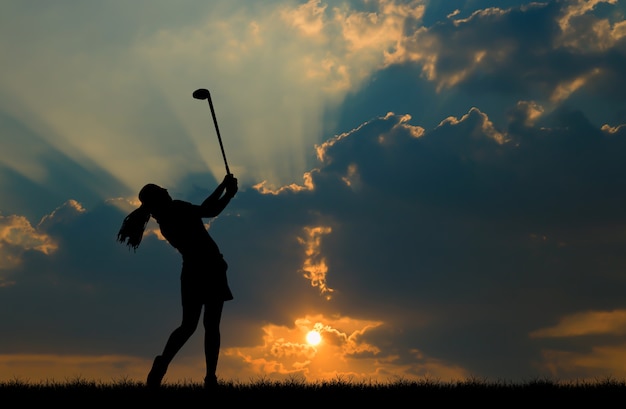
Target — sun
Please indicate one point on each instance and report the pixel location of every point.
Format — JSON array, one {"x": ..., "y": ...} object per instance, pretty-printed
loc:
[{"x": 313, "y": 337}]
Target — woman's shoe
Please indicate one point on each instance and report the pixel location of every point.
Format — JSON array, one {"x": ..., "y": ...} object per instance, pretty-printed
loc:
[
  {"x": 159, "y": 368},
  {"x": 210, "y": 383}
]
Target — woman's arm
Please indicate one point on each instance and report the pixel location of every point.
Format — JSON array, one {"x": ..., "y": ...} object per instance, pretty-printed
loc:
[{"x": 219, "y": 199}]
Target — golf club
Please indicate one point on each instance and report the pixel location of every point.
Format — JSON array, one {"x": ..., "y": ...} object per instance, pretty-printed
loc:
[{"x": 203, "y": 93}]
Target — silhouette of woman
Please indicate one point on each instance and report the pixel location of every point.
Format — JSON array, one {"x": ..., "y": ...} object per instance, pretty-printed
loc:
[{"x": 203, "y": 278}]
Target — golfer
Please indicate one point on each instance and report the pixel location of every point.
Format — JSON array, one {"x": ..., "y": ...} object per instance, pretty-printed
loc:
[{"x": 203, "y": 278}]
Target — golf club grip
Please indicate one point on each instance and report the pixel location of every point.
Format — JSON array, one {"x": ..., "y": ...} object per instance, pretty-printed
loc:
[{"x": 217, "y": 130}]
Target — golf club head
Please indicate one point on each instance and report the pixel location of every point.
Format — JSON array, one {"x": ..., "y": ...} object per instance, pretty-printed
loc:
[{"x": 201, "y": 93}]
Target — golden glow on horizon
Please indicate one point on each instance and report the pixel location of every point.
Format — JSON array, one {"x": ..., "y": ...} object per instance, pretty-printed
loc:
[
  {"x": 288, "y": 351},
  {"x": 350, "y": 350},
  {"x": 34, "y": 368},
  {"x": 284, "y": 353},
  {"x": 313, "y": 338}
]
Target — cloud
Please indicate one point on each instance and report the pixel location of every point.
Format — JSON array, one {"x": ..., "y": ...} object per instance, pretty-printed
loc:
[
  {"x": 462, "y": 52},
  {"x": 586, "y": 323},
  {"x": 594, "y": 364},
  {"x": 308, "y": 18},
  {"x": 63, "y": 214},
  {"x": 17, "y": 236},
  {"x": 315, "y": 267},
  {"x": 343, "y": 353},
  {"x": 575, "y": 24}
]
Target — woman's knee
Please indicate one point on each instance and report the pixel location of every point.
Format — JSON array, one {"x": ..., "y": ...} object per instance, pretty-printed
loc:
[{"x": 188, "y": 327}]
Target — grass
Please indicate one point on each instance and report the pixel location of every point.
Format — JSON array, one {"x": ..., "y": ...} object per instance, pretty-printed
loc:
[{"x": 294, "y": 392}]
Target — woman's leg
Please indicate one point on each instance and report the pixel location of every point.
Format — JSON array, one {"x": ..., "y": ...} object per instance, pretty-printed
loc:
[
  {"x": 212, "y": 318},
  {"x": 178, "y": 338}
]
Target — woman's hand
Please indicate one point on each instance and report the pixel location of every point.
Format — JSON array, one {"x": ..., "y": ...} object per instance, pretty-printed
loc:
[{"x": 230, "y": 182}]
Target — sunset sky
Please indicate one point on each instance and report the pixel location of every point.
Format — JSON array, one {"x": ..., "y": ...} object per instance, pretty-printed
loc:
[{"x": 438, "y": 188}]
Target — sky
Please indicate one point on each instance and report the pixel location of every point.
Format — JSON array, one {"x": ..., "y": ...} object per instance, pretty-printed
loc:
[{"x": 437, "y": 188}]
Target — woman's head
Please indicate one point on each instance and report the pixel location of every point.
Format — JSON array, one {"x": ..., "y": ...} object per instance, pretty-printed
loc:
[{"x": 152, "y": 197}]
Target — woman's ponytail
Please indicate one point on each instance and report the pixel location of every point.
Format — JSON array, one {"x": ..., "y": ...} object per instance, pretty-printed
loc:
[{"x": 133, "y": 227}]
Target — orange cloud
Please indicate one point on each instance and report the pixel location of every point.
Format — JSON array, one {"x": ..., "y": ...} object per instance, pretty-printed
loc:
[
  {"x": 345, "y": 353},
  {"x": 265, "y": 189},
  {"x": 586, "y": 323},
  {"x": 285, "y": 351},
  {"x": 484, "y": 127},
  {"x": 307, "y": 18},
  {"x": 17, "y": 235},
  {"x": 314, "y": 266},
  {"x": 612, "y": 129}
]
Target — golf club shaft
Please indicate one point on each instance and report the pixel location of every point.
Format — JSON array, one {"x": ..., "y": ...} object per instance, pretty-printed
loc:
[{"x": 217, "y": 130}]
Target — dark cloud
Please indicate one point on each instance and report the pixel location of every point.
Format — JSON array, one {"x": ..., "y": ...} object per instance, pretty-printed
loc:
[
  {"x": 524, "y": 51},
  {"x": 486, "y": 236}
]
